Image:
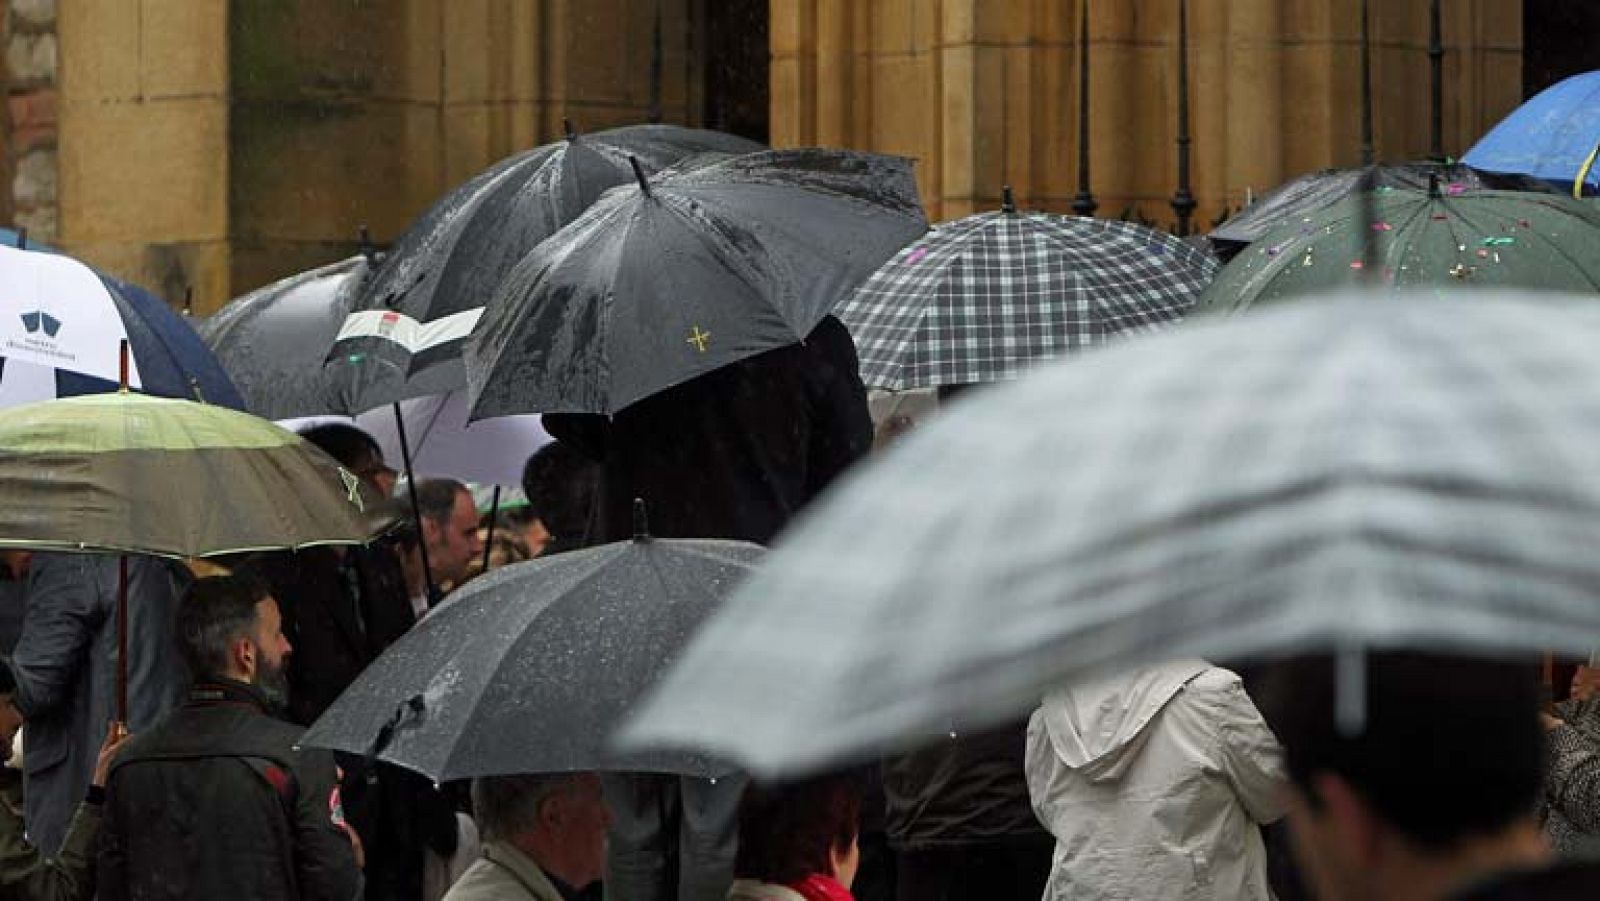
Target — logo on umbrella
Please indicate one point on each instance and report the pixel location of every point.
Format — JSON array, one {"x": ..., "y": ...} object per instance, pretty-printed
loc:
[
  {"x": 38, "y": 319},
  {"x": 699, "y": 339}
]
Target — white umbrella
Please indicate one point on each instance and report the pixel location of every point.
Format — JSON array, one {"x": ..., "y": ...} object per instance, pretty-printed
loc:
[{"x": 1345, "y": 474}]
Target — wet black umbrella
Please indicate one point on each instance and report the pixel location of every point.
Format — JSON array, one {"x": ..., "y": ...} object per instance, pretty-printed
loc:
[
  {"x": 531, "y": 667},
  {"x": 273, "y": 341},
  {"x": 687, "y": 272},
  {"x": 403, "y": 337},
  {"x": 1310, "y": 194}
]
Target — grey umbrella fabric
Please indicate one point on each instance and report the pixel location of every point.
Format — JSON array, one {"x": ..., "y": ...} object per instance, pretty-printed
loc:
[
  {"x": 985, "y": 298},
  {"x": 530, "y": 667},
  {"x": 422, "y": 302},
  {"x": 273, "y": 341},
  {"x": 704, "y": 266},
  {"x": 1330, "y": 474}
]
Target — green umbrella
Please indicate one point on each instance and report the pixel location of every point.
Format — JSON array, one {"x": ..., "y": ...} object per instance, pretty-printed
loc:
[
  {"x": 1424, "y": 237},
  {"x": 132, "y": 474},
  {"x": 129, "y": 473}
]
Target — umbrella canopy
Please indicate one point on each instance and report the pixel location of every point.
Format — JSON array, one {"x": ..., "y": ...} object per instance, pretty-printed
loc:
[
  {"x": 443, "y": 442},
  {"x": 561, "y": 649},
  {"x": 273, "y": 341},
  {"x": 984, "y": 298},
  {"x": 1309, "y": 195},
  {"x": 403, "y": 336},
  {"x": 688, "y": 272},
  {"x": 1336, "y": 473},
  {"x": 1483, "y": 238},
  {"x": 129, "y": 473},
  {"x": 61, "y": 328},
  {"x": 1553, "y": 137}
]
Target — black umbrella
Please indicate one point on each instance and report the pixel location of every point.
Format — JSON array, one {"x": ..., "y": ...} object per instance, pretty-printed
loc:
[
  {"x": 1312, "y": 193},
  {"x": 273, "y": 341},
  {"x": 531, "y": 667},
  {"x": 414, "y": 312},
  {"x": 687, "y": 272}
]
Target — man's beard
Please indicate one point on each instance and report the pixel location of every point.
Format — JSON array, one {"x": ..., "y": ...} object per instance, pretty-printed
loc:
[{"x": 272, "y": 681}]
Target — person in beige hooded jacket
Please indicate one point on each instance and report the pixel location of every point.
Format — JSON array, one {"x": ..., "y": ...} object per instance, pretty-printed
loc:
[{"x": 1154, "y": 785}]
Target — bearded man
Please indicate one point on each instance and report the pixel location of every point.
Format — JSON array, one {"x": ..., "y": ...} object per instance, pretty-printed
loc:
[{"x": 217, "y": 801}]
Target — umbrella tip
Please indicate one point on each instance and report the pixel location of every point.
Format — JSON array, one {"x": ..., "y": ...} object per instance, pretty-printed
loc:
[
  {"x": 188, "y": 300},
  {"x": 122, "y": 366},
  {"x": 568, "y": 130},
  {"x": 22, "y": 238},
  {"x": 638, "y": 172},
  {"x": 641, "y": 521},
  {"x": 1433, "y": 185},
  {"x": 194, "y": 387},
  {"x": 1008, "y": 202}
]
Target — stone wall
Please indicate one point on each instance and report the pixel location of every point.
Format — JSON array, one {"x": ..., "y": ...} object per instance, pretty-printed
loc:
[
  {"x": 31, "y": 124},
  {"x": 984, "y": 92}
]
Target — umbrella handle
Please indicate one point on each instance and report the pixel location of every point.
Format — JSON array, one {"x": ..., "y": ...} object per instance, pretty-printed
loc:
[
  {"x": 412, "y": 705},
  {"x": 1583, "y": 172}
]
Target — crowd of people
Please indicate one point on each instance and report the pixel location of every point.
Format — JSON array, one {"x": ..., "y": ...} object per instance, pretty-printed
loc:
[{"x": 1166, "y": 782}]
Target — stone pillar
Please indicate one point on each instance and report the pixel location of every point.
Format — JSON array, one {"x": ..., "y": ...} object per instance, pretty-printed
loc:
[
  {"x": 31, "y": 101},
  {"x": 144, "y": 141},
  {"x": 984, "y": 92}
]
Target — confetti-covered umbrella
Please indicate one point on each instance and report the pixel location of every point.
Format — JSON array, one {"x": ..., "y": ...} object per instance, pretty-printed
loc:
[
  {"x": 687, "y": 272},
  {"x": 1310, "y": 194},
  {"x": 1335, "y": 474},
  {"x": 1441, "y": 237},
  {"x": 984, "y": 298}
]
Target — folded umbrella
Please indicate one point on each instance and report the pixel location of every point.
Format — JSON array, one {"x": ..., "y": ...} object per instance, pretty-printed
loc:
[
  {"x": 687, "y": 272},
  {"x": 403, "y": 335},
  {"x": 561, "y": 647},
  {"x": 61, "y": 324},
  {"x": 983, "y": 299},
  {"x": 1332, "y": 474}
]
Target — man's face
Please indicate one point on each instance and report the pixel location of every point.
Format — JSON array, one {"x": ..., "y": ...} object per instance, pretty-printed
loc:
[
  {"x": 272, "y": 653},
  {"x": 377, "y": 473},
  {"x": 455, "y": 543},
  {"x": 1329, "y": 841}
]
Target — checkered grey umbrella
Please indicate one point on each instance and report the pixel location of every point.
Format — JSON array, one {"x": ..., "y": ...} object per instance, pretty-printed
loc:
[
  {"x": 982, "y": 299},
  {"x": 1327, "y": 474}
]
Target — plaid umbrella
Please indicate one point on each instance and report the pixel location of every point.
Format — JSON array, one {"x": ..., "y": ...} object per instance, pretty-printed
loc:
[
  {"x": 1335, "y": 474},
  {"x": 983, "y": 298}
]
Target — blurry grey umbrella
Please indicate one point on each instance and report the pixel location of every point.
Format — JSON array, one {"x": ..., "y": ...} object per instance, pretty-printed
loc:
[
  {"x": 687, "y": 272},
  {"x": 985, "y": 298},
  {"x": 403, "y": 336},
  {"x": 530, "y": 667},
  {"x": 273, "y": 341},
  {"x": 1331, "y": 474}
]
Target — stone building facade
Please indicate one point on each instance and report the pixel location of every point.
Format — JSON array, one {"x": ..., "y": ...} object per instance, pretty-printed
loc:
[{"x": 214, "y": 145}]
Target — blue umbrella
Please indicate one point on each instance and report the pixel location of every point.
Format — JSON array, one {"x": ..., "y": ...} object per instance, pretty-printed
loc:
[
  {"x": 61, "y": 326},
  {"x": 1553, "y": 137}
]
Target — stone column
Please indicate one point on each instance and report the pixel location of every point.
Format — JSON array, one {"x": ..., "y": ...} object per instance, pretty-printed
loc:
[{"x": 31, "y": 100}]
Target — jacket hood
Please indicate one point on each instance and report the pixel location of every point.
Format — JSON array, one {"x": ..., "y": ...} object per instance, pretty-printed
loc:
[{"x": 1099, "y": 727}]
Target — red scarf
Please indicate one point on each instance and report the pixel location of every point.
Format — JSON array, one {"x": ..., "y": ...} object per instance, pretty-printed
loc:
[{"x": 822, "y": 888}]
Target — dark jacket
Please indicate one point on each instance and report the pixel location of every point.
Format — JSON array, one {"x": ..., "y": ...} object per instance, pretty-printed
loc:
[
  {"x": 66, "y": 667},
  {"x": 966, "y": 790},
  {"x": 1575, "y": 881},
  {"x": 216, "y": 802},
  {"x": 27, "y": 875},
  {"x": 733, "y": 453},
  {"x": 338, "y": 614}
]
